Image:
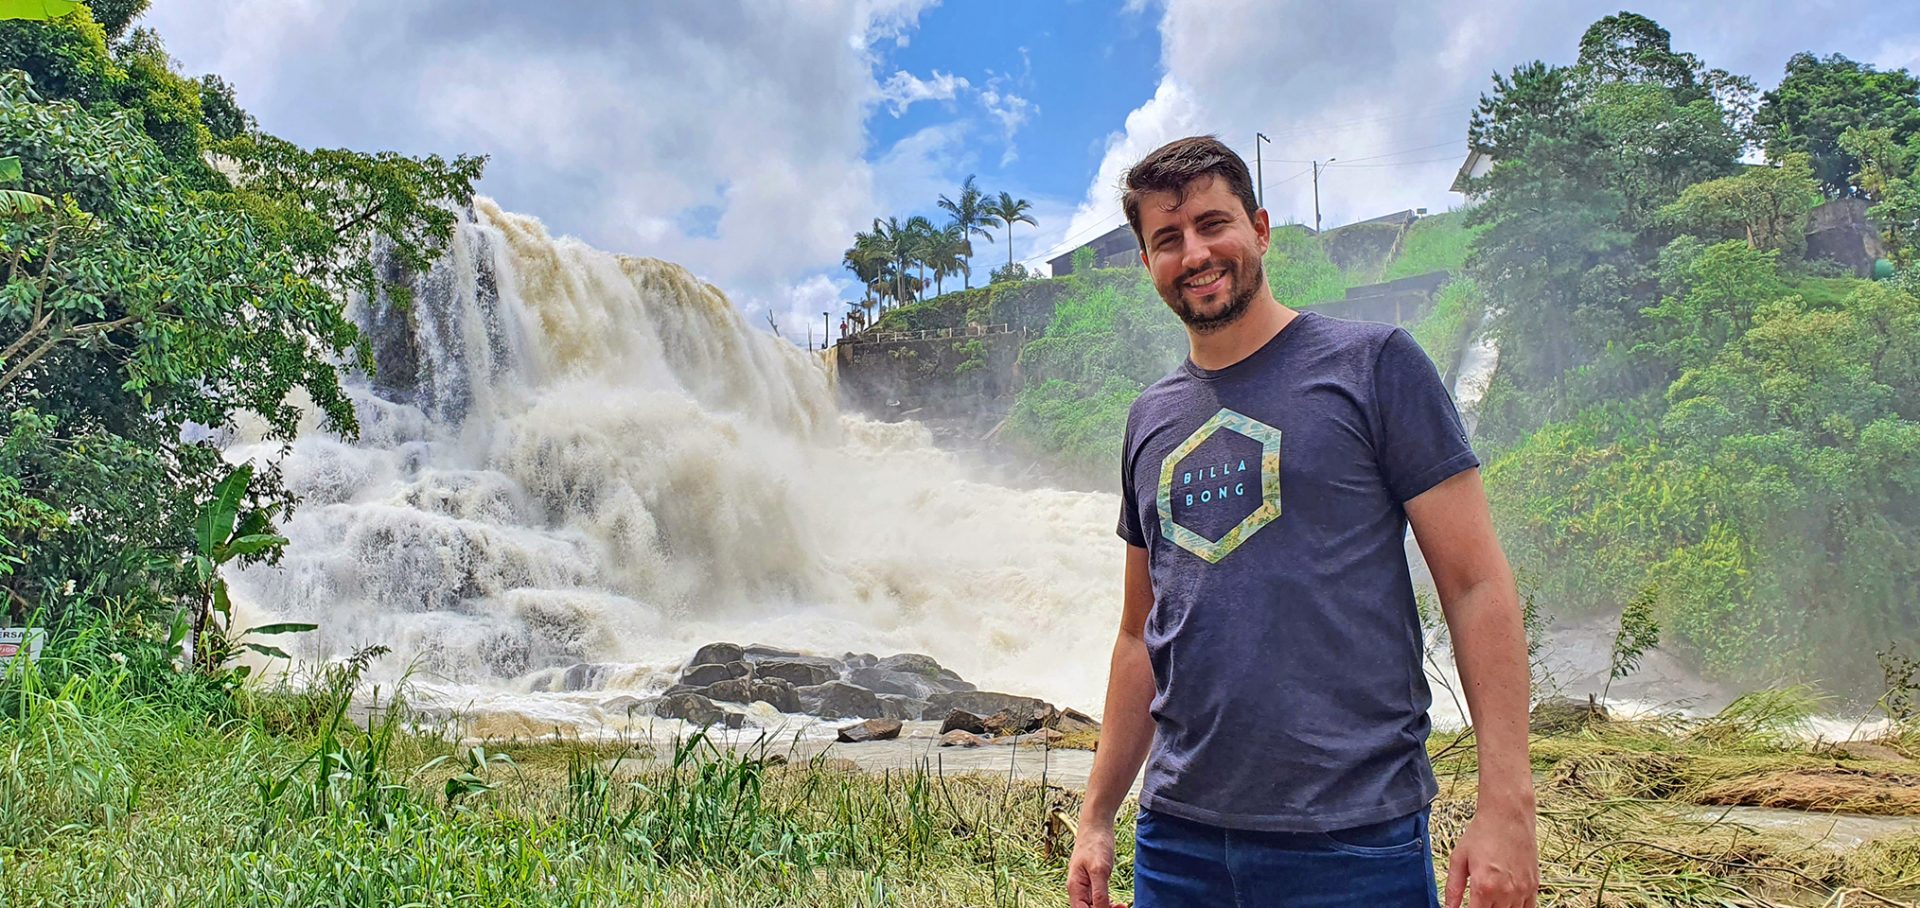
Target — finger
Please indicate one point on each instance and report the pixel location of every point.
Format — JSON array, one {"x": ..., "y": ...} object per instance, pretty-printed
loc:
[
  {"x": 1456, "y": 879},
  {"x": 1078, "y": 892},
  {"x": 1100, "y": 894}
]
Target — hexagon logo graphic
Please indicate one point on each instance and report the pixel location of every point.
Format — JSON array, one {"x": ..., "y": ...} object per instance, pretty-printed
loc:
[{"x": 1215, "y": 550}]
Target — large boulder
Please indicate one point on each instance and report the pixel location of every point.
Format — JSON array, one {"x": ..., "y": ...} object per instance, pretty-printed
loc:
[
  {"x": 776, "y": 692},
  {"x": 711, "y": 673},
  {"x": 759, "y": 651},
  {"x": 1072, "y": 721},
  {"x": 717, "y": 654},
  {"x": 839, "y": 700},
  {"x": 798, "y": 672},
  {"x": 694, "y": 709},
  {"x": 870, "y": 730},
  {"x": 961, "y": 720},
  {"x": 583, "y": 676},
  {"x": 958, "y": 738},
  {"x": 732, "y": 690},
  {"x": 984, "y": 703},
  {"x": 894, "y": 706}
]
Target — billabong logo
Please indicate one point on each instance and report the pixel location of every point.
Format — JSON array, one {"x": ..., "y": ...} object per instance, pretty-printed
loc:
[{"x": 1269, "y": 485}]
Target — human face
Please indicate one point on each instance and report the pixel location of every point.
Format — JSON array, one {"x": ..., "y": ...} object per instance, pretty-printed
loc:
[{"x": 1204, "y": 253}]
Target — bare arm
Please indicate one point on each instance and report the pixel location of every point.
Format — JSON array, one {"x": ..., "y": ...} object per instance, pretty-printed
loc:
[
  {"x": 1126, "y": 728},
  {"x": 1453, "y": 525},
  {"x": 1125, "y": 734}
]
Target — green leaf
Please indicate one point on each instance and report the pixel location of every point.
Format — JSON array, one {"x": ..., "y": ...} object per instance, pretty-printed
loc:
[
  {"x": 250, "y": 545},
  {"x": 16, "y": 203},
  {"x": 36, "y": 10},
  {"x": 287, "y": 627},
  {"x": 215, "y": 522},
  {"x": 10, "y": 169},
  {"x": 221, "y": 603},
  {"x": 266, "y": 650},
  {"x": 178, "y": 631}
]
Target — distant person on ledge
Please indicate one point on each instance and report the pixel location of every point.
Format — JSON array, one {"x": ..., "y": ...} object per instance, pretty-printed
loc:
[{"x": 1268, "y": 666}]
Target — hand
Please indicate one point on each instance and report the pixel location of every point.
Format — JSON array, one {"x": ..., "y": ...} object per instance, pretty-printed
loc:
[
  {"x": 1498, "y": 856},
  {"x": 1092, "y": 866}
]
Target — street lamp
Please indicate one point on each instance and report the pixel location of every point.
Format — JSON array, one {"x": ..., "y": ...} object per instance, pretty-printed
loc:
[
  {"x": 1259, "y": 173},
  {"x": 826, "y": 330}
]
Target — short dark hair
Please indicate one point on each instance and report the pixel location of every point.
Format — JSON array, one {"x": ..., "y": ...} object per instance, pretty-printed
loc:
[{"x": 1174, "y": 166}]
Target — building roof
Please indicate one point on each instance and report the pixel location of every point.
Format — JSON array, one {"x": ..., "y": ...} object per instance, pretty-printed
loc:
[
  {"x": 1475, "y": 157},
  {"x": 1119, "y": 239}
]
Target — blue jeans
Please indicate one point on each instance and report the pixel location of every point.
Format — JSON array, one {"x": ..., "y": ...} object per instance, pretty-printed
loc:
[{"x": 1183, "y": 864}]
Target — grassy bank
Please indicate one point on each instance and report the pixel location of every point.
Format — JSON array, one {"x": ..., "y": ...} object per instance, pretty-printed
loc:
[{"x": 111, "y": 799}]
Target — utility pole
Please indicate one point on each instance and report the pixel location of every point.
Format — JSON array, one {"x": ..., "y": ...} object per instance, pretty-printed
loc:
[
  {"x": 826, "y": 331},
  {"x": 1317, "y": 167},
  {"x": 1259, "y": 175}
]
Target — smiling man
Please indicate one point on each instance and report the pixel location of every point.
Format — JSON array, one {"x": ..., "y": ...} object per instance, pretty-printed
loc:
[{"x": 1268, "y": 666}]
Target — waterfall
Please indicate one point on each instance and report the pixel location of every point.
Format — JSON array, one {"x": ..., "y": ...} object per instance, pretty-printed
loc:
[{"x": 568, "y": 456}]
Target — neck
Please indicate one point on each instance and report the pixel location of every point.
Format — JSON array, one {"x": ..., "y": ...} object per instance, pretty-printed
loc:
[{"x": 1220, "y": 349}]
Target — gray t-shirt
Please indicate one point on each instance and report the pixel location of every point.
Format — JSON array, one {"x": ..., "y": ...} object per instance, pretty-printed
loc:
[{"x": 1285, "y": 642}]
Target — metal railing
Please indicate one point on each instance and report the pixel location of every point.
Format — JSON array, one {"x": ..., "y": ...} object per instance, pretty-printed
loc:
[{"x": 893, "y": 337}]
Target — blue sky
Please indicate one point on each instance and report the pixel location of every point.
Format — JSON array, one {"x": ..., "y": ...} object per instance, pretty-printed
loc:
[{"x": 749, "y": 139}]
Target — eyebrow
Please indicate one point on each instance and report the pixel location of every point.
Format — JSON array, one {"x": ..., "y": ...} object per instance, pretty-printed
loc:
[{"x": 1155, "y": 236}]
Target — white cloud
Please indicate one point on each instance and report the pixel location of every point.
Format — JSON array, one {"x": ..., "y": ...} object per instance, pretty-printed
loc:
[
  {"x": 1366, "y": 79},
  {"x": 903, "y": 89},
  {"x": 612, "y": 123}
]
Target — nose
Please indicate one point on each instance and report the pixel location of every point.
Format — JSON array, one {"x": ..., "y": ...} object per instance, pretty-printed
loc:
[{"x": 1194, "y": 252}]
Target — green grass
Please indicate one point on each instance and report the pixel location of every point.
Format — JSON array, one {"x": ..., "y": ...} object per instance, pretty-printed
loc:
[
  {"x": 1446, "y": 328},
  {"x": 109, "y": 798},
  {"x": 1436, "y": 243}
]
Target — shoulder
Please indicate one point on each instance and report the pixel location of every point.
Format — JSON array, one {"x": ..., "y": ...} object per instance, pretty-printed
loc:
[{"x": 1348, "y": 335}]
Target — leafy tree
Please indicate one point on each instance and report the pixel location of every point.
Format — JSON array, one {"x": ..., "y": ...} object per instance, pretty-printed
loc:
[
  {"x": 1819, "y": 99},
  {"x": 149, "y": 298},
  {"x": 1008, "y": 211},
  {"x": 220, "y": 111},
  {"x": 1766, "y": 206},
  {"x": 969, "y": 213},
  {"x": 115, "y": 16},
  {"x": 947, "y": 253}
]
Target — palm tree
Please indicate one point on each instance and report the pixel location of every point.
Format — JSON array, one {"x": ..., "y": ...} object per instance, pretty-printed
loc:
[
  {"x": 866, "y": 260},
  {"x": 970, "y": 215},
  {"x": 947, "y": 255},
  {"x": 921, "y": 240},
  {"x": 1009, "y": 211},
  {"x": 902, "y": 244}
]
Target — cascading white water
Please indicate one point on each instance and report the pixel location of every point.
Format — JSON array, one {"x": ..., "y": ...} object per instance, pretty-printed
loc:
[{"x": 570, "y": 456}]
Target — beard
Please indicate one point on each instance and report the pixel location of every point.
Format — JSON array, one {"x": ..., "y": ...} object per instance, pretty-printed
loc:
[{"x": 1245, "y": 278}]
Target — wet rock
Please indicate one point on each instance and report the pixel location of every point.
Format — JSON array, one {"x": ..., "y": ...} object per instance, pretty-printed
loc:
[
  {"x": 894, "y": 706},
  {"x": 958, "y": 738},
  {"x": 717, "y": 654},
  {"x": 732, "y": 690},
  {"x": 1072, "y": 721},
  {"x": 622, "y": 706},
  {"x": 759, "y": 651},
  {"x": 691, "y": 708},
  {"x": 710, "y": 673},
  {"x": 858, "y": 660},
  {"x": 984, "y": 703},
  {"x": 779, "y": 694},
  {"x": 961, "y": 720},
  {"x": 839, "y": 700},
  {"x": 870, "y": 730},
  {"x": 1562, "y": 715},
  {"x": 925, "y": 667},
  {"x": 798, "y": 672},
  {"x": 1045, "y": 736},
  {"x": 583, "y": 676},
  {"x": 1019, "y": 718}
]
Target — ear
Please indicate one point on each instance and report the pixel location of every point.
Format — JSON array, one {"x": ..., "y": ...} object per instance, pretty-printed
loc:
[{"x": 1263, "y": 229}]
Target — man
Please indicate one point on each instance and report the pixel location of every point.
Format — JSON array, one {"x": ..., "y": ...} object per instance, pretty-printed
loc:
[{"x": 1270, "y": 649}]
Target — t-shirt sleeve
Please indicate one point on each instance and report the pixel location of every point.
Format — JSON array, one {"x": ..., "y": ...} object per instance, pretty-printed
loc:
[
  {"x": 1129, "y": 502},
  {"x": 1421, "y": 441}
]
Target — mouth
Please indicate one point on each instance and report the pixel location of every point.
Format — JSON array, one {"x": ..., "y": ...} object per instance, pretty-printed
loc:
[{"x": 1206, "y": 282}]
